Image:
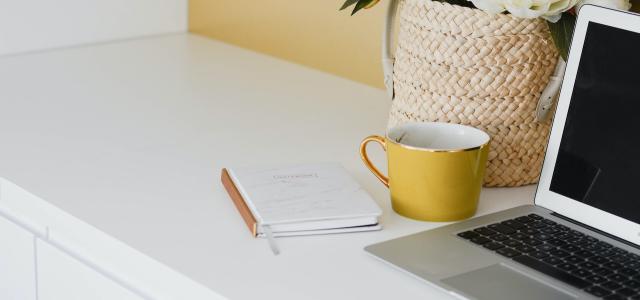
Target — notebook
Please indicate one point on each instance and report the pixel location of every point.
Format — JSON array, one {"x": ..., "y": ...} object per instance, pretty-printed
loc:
[{"x": 301, "y": 200}]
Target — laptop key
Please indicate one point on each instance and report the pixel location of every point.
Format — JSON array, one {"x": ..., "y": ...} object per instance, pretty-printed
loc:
[
  {"x": 619, "y": 250},
  {"x": 618, "y": 278},
  {"x": 632, "y": 264},
  {"x": 552, "y": 260},
  {"x": 597, "y": 291},
  {"x": 519, "y": 236},
  {"x": 581, "y": 242},
  {"x": 552, "y": 271},
  {"x": 468, "y": 234},
  {"x": 549, "y": 222},
  {"x": 525, "y": 249},
  {"x": 550, "y": 230},
  {"x": 538, "y": 254},
  {"x": 631, "y": 255},
  {"x": 513, "y": 224},
  {"x": 611, "y": 285},
  {"x": 508, "y": 252},
  {"x": 528, "y": 231},
  {"x": 573, "y": 259},
  {"x": 596, "y": 279},
  {"x": 577, "y": 233},
  {"x": 512, "y": 243},
  {"x": 493, "y": 246},
  {"x": 485, "y": 231},
  {"x": 627, "y": 271},
  {"x": 504, "y": 229},
  {"x": 614, "y": 297},
  {"x": 581, "y": 273},
  {"x": 619, "y": 258},
  {"x": 499, "y": 237},
  {"x": 524, "y": 219},
  {"x": 632, "y": 284},
  {"x": 532, "y": 242},
  {"x": 543, "y": 236},
  {"x": 626, "y": 292},
  {"x": 599, "y": 259},
  {"x": 572, "y": 238},
  {"x": 545, "y": 247},
  {"x": 595, "y": 248},
  {"x": 591, "y": 239},
  {"x": 588, "y": 265},
  {"x": 557, "y": 242},
  {"x": 570, "y": 248},
  {"x": 535, "y": 217},
  {"x": 583, "y": 253},
  {"x": 602, "y": 271},
  {"x": 606, "y": 253},
  {"x": 612, "y": 265},
  {"x": 566, "y": 266},
  {"x": 538, "y": 225},
  {"x": 559, "y": 253},
  {"x": 480, "y": 240}
]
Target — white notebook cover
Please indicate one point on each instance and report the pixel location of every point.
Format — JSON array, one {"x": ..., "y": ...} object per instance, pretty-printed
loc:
[{"x": 305, "y": 194}]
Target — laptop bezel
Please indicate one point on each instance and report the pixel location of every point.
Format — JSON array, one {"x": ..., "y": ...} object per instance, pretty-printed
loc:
[{"x": 594, "y": 217}]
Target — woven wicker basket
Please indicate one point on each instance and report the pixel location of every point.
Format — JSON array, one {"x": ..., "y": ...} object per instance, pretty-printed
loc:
[{"x": 461, "y": 65}]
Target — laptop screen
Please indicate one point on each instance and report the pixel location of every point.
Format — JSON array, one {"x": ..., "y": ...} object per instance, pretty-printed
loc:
[{"x": 599, "y": 158}]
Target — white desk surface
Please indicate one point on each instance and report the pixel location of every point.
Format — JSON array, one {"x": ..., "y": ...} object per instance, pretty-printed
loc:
[{"x": 131, "y": 136}]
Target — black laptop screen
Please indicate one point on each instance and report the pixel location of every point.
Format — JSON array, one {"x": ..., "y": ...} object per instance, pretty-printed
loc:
[{"x": 599, "y": 158}]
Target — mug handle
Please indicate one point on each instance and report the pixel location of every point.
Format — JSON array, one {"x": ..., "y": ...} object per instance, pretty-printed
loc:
[{"x": 365, "y": 158}]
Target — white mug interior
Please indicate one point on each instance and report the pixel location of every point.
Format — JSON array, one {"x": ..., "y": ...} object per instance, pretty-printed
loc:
[{"x": 435, "y": 136}]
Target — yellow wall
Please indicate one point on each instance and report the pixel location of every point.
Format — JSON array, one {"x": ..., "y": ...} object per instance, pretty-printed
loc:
[{"x": 309, "y": 32}]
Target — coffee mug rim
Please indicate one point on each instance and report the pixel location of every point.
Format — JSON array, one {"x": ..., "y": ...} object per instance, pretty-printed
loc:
[{"x": 485, "y": 144}]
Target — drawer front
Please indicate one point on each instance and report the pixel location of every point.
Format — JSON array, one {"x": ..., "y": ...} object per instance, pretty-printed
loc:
[
  {"x": 61, "y": 276},
  {"x": 17, "y": 262}
]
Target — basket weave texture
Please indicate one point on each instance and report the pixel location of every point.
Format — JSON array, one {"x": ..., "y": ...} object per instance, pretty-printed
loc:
[{"x": 461, "y": 65}]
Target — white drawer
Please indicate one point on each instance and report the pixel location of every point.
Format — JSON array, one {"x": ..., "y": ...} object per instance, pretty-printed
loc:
[
  {"x": 17, "y": 262},
  {"x": 60, "y": 276}
]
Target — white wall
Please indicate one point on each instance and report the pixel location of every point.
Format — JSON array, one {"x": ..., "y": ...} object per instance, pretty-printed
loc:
[{"x": 30, "y": 25}]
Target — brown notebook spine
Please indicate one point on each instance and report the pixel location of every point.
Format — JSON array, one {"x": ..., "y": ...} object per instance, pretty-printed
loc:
[{"x": 240, "y": 202}]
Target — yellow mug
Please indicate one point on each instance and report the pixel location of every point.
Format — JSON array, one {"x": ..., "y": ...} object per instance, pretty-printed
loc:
[{"x": 436, "y": 170}]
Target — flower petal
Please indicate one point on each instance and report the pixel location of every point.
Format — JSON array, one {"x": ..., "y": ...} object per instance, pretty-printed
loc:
[
  {"x": 615, "y": 4},
  {"x": 552, "y": 18}
]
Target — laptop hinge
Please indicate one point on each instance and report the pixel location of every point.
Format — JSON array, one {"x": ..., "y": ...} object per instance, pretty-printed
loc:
[{"x": 613, "y": 237}]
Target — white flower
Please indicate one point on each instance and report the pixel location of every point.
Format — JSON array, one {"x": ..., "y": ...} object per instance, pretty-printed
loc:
[
  {"x": 490, "y": 6},
  {"x": 547, "y": 9},
  {"x": 615, "y": 4},
  {"x": 528, "y": 9},
  {"x": 558, "y": 7}
]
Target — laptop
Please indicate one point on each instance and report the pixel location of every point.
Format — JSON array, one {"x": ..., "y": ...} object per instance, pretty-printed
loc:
[{"x": 580, "y": 239}]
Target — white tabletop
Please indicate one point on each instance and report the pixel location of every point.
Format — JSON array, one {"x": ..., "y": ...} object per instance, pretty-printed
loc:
[{"x": 131, "y": 136}]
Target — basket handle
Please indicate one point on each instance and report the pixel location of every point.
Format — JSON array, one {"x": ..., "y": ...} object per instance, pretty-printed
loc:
[
  {"x": 550, "y": 92},
  {"x": 545, "y": 102},
  {"x": 387, "y": 56}
]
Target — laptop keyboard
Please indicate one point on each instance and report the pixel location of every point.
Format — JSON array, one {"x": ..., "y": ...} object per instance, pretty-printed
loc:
[{"x": 570, "y": 256}]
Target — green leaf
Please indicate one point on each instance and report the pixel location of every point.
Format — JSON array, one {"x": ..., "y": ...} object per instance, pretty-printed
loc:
[
  {"x": 360, "y": 5},
  {"x": 463, "y": 3},
  {"x": 562, "y": 32},
  {"x": 348, "y": 3}
]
